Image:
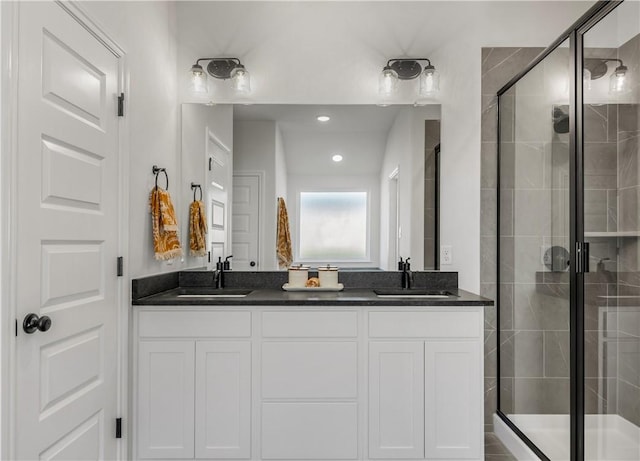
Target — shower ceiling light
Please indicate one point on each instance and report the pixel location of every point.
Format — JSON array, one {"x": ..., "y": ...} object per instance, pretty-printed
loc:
[
  {"x": 408, "y": 69},
  {"x": 595, "y": 68},
  {"x": 222, "y": 68}
]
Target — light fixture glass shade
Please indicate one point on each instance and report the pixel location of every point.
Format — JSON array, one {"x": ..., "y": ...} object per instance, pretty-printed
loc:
[
  {"x": 240, "y": 80},
  {"x": 618, "y": 82},
  {"x": 388, "y": 82},
  {"x": 429, "y": 81},
  {"x": 586, "y": 79},
  {"x": 198, "y": 80}
]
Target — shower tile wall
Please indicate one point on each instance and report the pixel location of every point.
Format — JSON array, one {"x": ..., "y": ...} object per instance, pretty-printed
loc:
[
  {"x": 628, "y": 330},
  {"x": 499, "y": 65}
]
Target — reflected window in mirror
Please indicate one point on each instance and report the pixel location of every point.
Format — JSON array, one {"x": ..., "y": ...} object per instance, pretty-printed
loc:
[{"x": 334, "y": 227}]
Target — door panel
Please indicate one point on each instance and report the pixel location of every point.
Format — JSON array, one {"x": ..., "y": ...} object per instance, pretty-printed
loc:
[
  {"x": 223, "y": 400},
  {"x": 218, "y": 193},
  {"x": 453, "y": 396},
  {"x": 246, "y": 222},
  {"x": 166, "y": 373},
  {"x": 396, "y": 400},
  {"x": 67, "y": 238}
]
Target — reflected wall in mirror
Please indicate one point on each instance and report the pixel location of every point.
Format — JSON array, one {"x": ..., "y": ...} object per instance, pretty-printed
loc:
[{"x": 361, "y": 188}]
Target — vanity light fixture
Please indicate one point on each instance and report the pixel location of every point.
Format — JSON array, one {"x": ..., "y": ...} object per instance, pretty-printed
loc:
[
  {"x": 222, "y": 68},
  {"x": 323, "y": 118},
  {"x": 409, "y": 69},
  {"x": 337, "y": 158},
  {"x": 595, "y": 68}
]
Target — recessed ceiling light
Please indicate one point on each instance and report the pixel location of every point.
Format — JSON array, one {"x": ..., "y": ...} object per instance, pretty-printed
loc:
[
  {"x": 337, "y": 158},
  {"x": 323, "y": 118}
]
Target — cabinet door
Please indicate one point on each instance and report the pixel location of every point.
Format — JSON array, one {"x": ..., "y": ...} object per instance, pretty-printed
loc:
[
  {"x": 165, "y": 399},
  {"x": 223, "y": 399},
  {"x": 453, "y": 400},
  {"x": 396, "y": 405}
]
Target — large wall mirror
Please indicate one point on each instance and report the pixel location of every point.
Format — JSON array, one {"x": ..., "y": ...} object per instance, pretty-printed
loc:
[{"x": 360, "y": 183}]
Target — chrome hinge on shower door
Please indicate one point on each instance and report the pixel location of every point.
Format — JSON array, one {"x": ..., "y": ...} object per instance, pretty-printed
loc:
[{"x": 582, "y": 257}]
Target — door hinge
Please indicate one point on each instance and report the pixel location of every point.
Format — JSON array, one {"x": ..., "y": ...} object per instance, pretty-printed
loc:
[
  {"x": 118, "y": 428},
  {"x": 16, "y": 328},
  {"x": 208, "y": 256},
  {"x": 121, "y": 105},
  {"x": 210, "y": 163},
  {"x": 582, "y": 257},
  {"x": 120, "y": 265}
]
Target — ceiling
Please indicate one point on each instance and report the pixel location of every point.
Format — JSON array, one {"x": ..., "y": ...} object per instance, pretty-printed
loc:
[{"x": 357, "y": 132}]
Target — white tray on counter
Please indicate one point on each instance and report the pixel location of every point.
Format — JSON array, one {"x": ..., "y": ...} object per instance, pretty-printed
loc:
[{"x": 339, "y": 287}]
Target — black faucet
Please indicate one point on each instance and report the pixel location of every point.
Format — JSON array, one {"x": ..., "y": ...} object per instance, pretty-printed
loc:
[
  {"x": 407, "y": 275},
  {"x": 218, "y": 275}
]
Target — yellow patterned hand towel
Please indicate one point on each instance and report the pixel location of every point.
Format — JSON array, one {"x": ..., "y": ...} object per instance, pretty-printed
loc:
[
  {"x": 197, "y": 229},
  {"x": 283, "y": 245},
  {"x": 166, "y": 243}
]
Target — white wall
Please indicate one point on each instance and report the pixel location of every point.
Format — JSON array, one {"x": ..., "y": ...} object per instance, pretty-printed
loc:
[
  {"x": 280, "y": 166},
  {"x": 343, "y": 67},
  {"x": 197, "y": 120},
  {"x": 255, "y": 150},
  {"x": 369, "y": 183},
  {"x": 147, "y": 32}
]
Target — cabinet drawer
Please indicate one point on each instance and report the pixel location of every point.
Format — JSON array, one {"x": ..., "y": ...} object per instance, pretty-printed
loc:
[
  {"x": 309, "y": 431},
  {"x": 425, "y": 324},
  {"x": 309, "y": 324},
  {"x": 309, "y": 370},
  {"x": 177, "y": 324}
]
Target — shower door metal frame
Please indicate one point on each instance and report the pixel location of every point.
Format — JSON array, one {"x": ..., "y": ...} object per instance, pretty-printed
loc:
[{"x": 575, "y": 35}]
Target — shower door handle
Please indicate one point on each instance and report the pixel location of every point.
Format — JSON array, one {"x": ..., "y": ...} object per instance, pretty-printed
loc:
[{"x": 582, "y": 257}]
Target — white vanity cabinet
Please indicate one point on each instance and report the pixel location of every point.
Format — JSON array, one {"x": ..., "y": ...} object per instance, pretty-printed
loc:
[
  {"x": 308, "y": 383},
  {"x": 193, "y": 384},
  {"x": 426, "y": 384}
]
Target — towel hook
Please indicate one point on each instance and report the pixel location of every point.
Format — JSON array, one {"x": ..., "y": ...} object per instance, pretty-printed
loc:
[
  {"x": 156, "y": 170},
  {"x": 196, "y": 187}
]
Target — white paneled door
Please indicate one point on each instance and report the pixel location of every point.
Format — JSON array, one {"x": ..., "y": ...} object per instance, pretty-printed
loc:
[
  {"x": 246, "y": 222},
  {"x": 67, "y": 239}
]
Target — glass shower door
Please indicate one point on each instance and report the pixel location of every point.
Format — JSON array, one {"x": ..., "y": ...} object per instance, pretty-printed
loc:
[
  {"x": 534, "y": 219},
  {"x": 611, "y": 201}
]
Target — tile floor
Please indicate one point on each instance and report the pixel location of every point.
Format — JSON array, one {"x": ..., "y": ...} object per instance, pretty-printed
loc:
[{"x": 494, "y": 450}]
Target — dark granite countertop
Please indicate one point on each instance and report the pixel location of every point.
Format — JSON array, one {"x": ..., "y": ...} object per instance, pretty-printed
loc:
[
  {"x": 276, "y": 297},
  {"x": 165, "y": 290}
]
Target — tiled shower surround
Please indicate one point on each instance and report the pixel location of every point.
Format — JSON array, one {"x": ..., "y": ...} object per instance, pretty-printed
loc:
[
  {"x": 499, "y": 65},
  {"x": 534, "y": 302}
]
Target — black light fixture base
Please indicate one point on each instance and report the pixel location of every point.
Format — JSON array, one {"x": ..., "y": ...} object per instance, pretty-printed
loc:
[
  {"x": 597, "y": 67},
  {"x": 406, "y": 69},
  {"x": 221, "y": 68}
]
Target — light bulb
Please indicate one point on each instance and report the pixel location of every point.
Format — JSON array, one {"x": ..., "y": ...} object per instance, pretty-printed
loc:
[
  {"x": 240, "y": 80},
  {"x": 337, "y": 158},
  {"x": 197, "y": 80},
  {"x": 618, "y": 82},
  {"x": 429, "y": 81},
  {"x": 388, "y": 82}
]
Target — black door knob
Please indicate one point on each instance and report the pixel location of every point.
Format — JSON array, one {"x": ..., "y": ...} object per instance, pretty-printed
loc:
[
  {"x": 252, "y": 263},
  {"x": 32, "y": 323}
]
